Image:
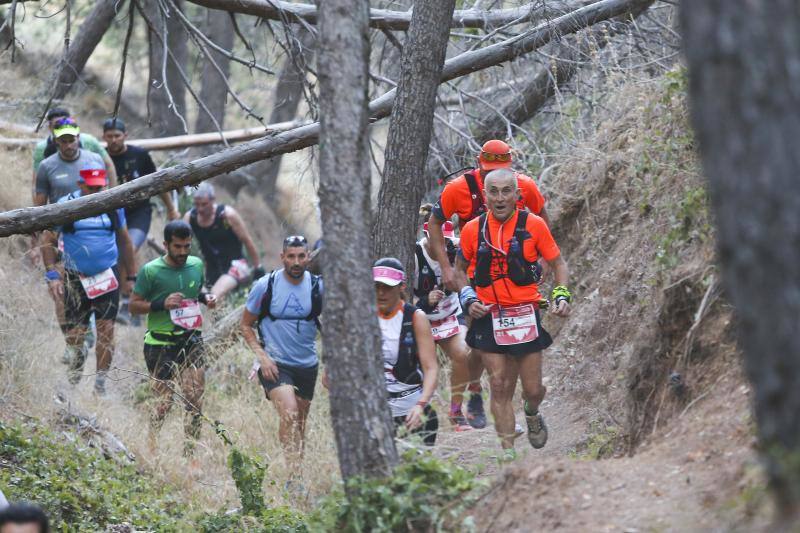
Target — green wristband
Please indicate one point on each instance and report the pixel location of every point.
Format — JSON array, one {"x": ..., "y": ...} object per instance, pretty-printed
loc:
[{"x": 561, "y": 292}]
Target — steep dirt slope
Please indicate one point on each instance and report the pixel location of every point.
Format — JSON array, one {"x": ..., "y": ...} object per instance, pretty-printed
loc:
[{"x": 650, "y": 424}]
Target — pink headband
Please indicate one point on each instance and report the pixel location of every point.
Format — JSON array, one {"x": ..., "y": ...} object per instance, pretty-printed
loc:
[{"x": 383, "y": 274}]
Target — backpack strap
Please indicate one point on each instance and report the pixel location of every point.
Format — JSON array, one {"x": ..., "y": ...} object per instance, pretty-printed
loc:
[
  {"x": 193, "y": 220},
  {"x": 406, "y": 370},
  {"x": 478, "y": 203},
  {"x": 266, "y": 300},
  {"x": 316, "y": 300}
]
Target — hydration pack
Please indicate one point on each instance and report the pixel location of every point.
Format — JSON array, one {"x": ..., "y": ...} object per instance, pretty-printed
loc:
[
  {"x": 113, "y": 216},
  {"x": 406, "y": 369},
  {"x": 266, "y": 301},
  {"x": 518, "y": 269}
]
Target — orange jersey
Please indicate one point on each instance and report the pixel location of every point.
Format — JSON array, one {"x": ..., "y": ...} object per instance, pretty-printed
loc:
[
  {"x": 456, "y": 198},
  {"x": 502, "y": 290}
]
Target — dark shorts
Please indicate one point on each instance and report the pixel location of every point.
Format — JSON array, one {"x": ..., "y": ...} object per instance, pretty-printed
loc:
[
  {"x": 302, "y": 379},
  {"x": 78, "y": 308},
  {"x": 481, "y": 337},
  {"x": 165, "y": 362},
  {"x": 139, "y": 217},
  {"x": 427, "y": 431}
]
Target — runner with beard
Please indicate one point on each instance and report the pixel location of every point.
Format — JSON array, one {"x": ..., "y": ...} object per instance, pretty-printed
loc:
[
  {"x": 284, "y": 308},
  {"x": 170, "y": 290}
]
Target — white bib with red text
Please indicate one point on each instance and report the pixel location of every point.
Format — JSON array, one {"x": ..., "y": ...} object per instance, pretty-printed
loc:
[
  {"x": 240, "y": 270},
  {"x": 444, "y": 328},
  {"x": 515, "y": 324},
  {"x": 99, "y": 284},
  {"x": 188, "y": 315}
]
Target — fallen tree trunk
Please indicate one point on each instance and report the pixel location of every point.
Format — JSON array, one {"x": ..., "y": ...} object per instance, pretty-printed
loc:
[
  {"x": 184, "y": 141},
  {"x": 386, "y": 19},
  {"x": 31, "y": 219}
]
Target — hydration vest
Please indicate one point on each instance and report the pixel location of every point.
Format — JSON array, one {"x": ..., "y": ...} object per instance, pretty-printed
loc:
[
  {"x": 426, "y": 277},
  {"x": 406, "y": 369},
  {"x": 113, "y": 217},
  {"x": 478, "y": 202},
  {"x": 518, "y": 269},
  {"x": 218, "y": 242},
  {"x": 266, "y": 302}
]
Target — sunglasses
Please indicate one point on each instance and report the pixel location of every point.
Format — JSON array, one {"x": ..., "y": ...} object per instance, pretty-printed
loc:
[
  {"x": 504, "y": 158},
  {"x": 294, "y": 240},
  {"x": 66, "y": 121}
]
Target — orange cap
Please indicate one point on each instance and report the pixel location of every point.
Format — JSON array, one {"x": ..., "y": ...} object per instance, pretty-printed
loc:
[{"x": 496, "y": 147}]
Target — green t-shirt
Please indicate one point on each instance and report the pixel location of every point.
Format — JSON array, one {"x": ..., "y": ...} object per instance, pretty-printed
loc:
[
  {"x": 157, "y": 280},
  {"x": 88, "y": 142}
]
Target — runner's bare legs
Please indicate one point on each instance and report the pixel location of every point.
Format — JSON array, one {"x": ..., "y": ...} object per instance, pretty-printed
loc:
[
  {"x": 456, "y": 349},
  {"x": 530, "y": 374},
  {"x": 503, "y": 373}
]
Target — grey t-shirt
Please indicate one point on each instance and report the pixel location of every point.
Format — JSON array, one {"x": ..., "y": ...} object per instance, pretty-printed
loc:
[{"x": 57, "y": 178}]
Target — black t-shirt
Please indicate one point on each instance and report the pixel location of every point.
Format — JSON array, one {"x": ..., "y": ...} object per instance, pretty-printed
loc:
[{"x": 131, "y": 164}]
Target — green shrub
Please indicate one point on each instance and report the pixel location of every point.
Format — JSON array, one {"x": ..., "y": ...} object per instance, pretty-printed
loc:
[
  {"x": 277, "y": 520},
  {"x": 79, "y": 488},
  {"x": 423, "y": 494}
]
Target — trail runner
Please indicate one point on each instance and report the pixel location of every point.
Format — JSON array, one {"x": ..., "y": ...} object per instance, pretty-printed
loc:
[{"x": 498, "y": 251}]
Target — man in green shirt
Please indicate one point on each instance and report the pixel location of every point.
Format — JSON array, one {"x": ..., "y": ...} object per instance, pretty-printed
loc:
[{"x": 170, "y": 290}]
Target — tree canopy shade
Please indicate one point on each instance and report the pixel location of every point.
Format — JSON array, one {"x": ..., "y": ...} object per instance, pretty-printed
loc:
[{"x": 32, "y": 219}]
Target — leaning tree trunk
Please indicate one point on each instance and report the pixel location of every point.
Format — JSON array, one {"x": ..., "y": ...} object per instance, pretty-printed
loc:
[
  {"x": 361, "y": 419},
  {"x": 410, "y": 128},
  {"x": 744, "y": 94},
  {"x": 86, "y": 40},
  {"x": 166, "y": 97},
  {"x": 219, "y": 28}
]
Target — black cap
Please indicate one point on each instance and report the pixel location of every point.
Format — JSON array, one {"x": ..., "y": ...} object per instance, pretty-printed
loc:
[
  {"x": 114, "y": 124},
  {"x": 57, "y": 112}
]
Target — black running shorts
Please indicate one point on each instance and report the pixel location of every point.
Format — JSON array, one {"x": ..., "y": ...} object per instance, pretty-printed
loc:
[
  {"x": 167, "y": 361},
  {"x": 481, "y": 337},
  {"x": 302, "y": 379},
  {"x": 78, "y": 308}
]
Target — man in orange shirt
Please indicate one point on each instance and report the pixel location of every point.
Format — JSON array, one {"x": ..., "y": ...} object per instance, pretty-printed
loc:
[
  {"x": 498, "y": 251},
  {"x": 464, "y": 197}
]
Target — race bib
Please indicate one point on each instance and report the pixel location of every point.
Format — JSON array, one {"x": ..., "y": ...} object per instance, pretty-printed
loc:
[
  {"x": 444, "y": 328},
  {"x": 188, "y": 315},
  {"x": 514, "y": 325},
  {"x": 99, "y": 284},
  {"x": 240, "y": 270}
]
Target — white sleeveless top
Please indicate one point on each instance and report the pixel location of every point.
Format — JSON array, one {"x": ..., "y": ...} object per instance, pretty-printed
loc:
[
  {"x": 390, "y": 345},
  {"x": 449, "y": 305}
]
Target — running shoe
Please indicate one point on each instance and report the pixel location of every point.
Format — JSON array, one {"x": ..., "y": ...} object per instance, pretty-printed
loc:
[
  {"x": 459, "y": 421},
  {"x": 476, "y": 416},
  {"x": 75, "y": 371},
  {"x": 66, "y": 357},
  {"x": 509, "y": 455},
  {"x": 537, "y": 430}
]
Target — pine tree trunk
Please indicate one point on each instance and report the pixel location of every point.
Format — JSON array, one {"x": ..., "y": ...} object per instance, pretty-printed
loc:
[
  {"x": 410, "y": 131},
  {"x": 163, "y": 118},
  {"x": 219, "y": 28},
  {"x": 86, "y": 40},
  {"x": 361, "y": 418},
  {"x": 745, "y": 93}
]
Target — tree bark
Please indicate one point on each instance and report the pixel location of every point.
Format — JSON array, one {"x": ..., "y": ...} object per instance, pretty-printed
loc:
[
  {"x": 219, "y": 28},
  {"x": 410, "y": 129},
  {"x": 361, "y": 419},
  {"x": 32, "y": 219},
  {"x": 166, "y": 97},
  {"x": 86, "y": 40},
  {"x": 390, "y": 20},
  {"x": 744, "y": 93}
]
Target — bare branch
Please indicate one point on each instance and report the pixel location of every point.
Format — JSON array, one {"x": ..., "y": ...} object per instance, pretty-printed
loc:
[
  {"x": 125, "y": 46},
  {"x": 31, "y": 219},
  {"x": 385, "y": 19}
]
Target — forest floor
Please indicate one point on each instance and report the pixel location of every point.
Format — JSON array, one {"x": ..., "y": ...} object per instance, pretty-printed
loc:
[{"x": 627, "y": 450}]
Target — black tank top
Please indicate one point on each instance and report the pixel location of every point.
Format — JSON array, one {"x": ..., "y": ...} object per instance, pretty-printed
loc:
[{"x": 218, "y": 242}]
